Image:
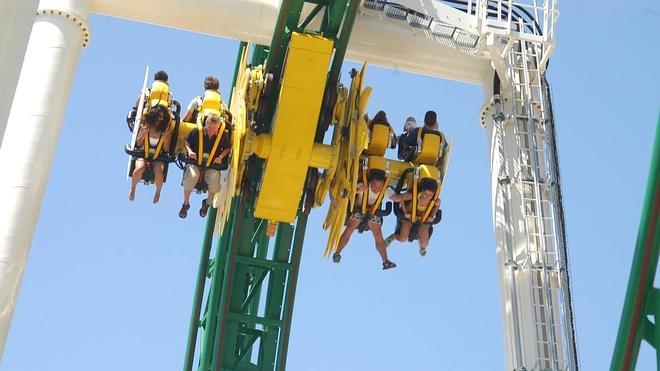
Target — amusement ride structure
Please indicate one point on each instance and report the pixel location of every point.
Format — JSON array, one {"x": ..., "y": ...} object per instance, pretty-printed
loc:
[{"x": 286, "y": 97}]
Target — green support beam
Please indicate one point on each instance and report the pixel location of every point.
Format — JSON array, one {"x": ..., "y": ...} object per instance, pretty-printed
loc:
[
  {"x": 642, "y": 299},
  {"x": 206, "y": 268},
  {"x": 248, "y": 306}
]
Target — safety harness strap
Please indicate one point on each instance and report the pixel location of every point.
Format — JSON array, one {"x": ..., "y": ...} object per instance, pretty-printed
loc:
[
  {"x": 413, "y": 212},
  {"x": 159, "y": 147},
  {"x": 418, "y": 150},
  {"x": 365, "y": 195},
  {"x": 429, "y": 208},
  {"x": 379, "y": 199},
  {"x": 200, "y": 144},
  {"x": 216, "y": 143}
]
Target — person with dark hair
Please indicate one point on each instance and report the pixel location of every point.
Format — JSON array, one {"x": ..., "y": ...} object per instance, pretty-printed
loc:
[
  {"x": 157, "y": 94},
  {"x": 161, "y": 76},
  {"x": 410, "y": 142},
  {"x": 381, "y": 119},
  {"x": 426, "y": 192},
  {"x": 431, "y": 120},
  {"x": 153, "y": 135},
  {"x": 212, "y": 152},
  {"x": 372, "y": 190},
  {"x": 210, "y": 100}
]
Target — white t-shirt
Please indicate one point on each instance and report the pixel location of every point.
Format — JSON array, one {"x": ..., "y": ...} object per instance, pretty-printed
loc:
[{"x": 373, "y": 196}]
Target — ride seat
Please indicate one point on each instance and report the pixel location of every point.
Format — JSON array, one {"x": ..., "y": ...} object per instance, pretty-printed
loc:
[
  {"x": 414, "y": 231},
  {"x": 159, "y": 94},
  {"x": 211, "y": 103},
  {"x": 377, "y": 163},
  {"x": 385, "y": 208},
  {"x": 430, "y": 148},
  {"x": 379, "y": 139},
  {"x": 148, "y": 175},
  {"x": 428, "y": 172}
]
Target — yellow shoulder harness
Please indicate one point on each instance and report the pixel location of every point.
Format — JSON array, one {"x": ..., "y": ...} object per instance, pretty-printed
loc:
[
  {"x": 365, "y": 195},
  {"x": 381, "y": 195},
  {"x": 159, "y": 146},
  {"x": 216, "y": 143}
]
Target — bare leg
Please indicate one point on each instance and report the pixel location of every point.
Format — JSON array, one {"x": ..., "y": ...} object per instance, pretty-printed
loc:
[
  {"x": 186, "y": 197},
  {"x": 140, "y": 166},
  {"x": 209, "y": 199},
  {"x": 351, "y": 225},
  {"x": 406, "y": 226},
  {"x": 423, "y": 238},
  {"x": 380, "y": 242},
  {"x": 159, "y": 169}
]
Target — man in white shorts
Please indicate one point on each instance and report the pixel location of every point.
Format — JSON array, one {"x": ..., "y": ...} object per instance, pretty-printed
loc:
[{"x": 216, "y": 145}]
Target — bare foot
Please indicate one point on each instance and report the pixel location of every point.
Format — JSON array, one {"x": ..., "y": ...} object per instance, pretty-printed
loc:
[
  {"x": 156, "y": 197},
  {"x": 131, "y": 195}
]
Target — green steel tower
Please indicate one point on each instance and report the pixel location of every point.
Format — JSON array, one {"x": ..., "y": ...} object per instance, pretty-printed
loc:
[
  {"x": 642, "y": 299},
  {"x": 246, "y": 284}
]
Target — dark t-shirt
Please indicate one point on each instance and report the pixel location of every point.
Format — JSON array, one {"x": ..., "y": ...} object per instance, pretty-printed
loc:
[
  {"x": 225, "y": 142},
  {"x": 404, "y": 150}
]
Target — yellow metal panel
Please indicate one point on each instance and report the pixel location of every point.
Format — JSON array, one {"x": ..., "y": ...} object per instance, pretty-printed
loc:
[
  {"x": 262, "y": 147},
  {"x": 397, "y": 168},
  {"x": 303, "y": 84},
  {"x": 322, "y": 156}
]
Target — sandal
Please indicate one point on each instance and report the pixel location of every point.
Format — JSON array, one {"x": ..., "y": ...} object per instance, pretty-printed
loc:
[
  {"x": 388, "y": 265},
  {"x": 422, "y": 251},
  {"x": 204, "y": 209},
  {"x": 336, "y": 258},
  {"x": 183, "y": 213}
]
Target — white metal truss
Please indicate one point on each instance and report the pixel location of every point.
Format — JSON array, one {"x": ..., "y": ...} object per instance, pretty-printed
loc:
[{"x": 539, "y": 329}]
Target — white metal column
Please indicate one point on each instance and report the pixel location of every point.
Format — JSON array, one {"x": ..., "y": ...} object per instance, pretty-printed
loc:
[
  {"x": 17, "y": 19},
  {"x": 527, "y": 213},
  {"x": 59, "y": 33},
  {"x": 536, "y": 307}
]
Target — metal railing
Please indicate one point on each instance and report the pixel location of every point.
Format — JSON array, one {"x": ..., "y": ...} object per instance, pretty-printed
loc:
[{"x": 531, "y": 18}]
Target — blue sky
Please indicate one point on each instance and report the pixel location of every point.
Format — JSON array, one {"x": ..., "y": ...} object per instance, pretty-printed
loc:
[{"x": 109, "y": 283}]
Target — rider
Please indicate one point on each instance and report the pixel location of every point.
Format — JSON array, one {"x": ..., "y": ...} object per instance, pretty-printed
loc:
[
  {"x": 153, "y": 95},
  {"x": 415, "y": 135},
  {"x": 423, "y": 218},
  {"x": 377, "y": 191},
  {"x": 210, "y": 100},
  {"x": 404, "y": 150},
  {"x": 154, "y": 138},
  {"x": 212, "y": 157},
  {"x": 380, "y": 119}
]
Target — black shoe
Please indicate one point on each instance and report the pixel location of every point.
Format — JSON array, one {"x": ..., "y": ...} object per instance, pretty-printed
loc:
[
  {"x": 388, "y": 264},
  {"x": 204, "y": 209},
  {"x": 183, "y": 213}
]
